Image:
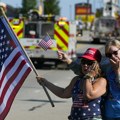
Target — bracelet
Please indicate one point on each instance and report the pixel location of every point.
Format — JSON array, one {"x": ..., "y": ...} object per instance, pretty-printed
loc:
[{"x": 87, "y": 76}]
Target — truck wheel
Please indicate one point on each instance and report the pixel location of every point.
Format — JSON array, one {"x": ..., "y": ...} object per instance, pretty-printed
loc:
[
  {"x": 96, "y": 40},
  {"x": 37, "y": 63}
]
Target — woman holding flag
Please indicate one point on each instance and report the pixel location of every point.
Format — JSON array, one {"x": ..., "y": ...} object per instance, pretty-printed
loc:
[{"x": 85, "y": 89}]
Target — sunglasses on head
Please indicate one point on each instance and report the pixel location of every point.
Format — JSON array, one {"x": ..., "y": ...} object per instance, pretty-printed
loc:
[
  {"x": 109, "y": 55},
  {"x": 88, "y": 62}
]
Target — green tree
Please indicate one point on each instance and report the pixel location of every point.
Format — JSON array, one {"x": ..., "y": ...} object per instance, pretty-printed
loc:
[
  {"x": 51, "y": 7},
  {"x": 27, "y": 5},
  {"x": 99, "y": 12}
]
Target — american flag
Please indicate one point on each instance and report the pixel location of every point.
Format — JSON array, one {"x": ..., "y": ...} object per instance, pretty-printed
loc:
[
  {"x": 46, "y": 42},
  {"x": 14, "y": 67}
]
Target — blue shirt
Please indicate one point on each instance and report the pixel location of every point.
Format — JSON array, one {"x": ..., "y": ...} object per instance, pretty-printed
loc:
[{"x": 112, "y": 104}]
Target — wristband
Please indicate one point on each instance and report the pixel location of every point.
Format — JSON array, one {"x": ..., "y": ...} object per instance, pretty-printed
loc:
[{"x": 87, "y": 76}]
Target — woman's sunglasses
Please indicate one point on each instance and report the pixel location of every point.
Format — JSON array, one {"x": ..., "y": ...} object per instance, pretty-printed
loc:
[
  {"x": 88, "y": 62},
  {"x": 109, "y": 55}
]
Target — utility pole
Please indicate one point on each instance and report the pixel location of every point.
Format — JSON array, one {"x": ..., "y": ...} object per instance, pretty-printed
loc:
[
  {"x": 70, "y": 11},
  {"x": 110, "y": 8},
  {"x": 87, "y": 14}
]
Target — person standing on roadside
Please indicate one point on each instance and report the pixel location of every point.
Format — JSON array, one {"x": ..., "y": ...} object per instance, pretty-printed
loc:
[
  {"x": 79, "y": 28},
  {"x": 111, "y": 70},
  {"x": 112, "y": 73},
  {"x": 86, "y": 89}
]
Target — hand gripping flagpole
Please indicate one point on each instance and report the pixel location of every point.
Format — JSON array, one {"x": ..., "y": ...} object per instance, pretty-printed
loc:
[{"x": 28, "y": 59}]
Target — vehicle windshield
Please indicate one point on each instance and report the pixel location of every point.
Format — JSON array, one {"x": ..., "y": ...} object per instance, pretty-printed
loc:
[
  {"x": 47, "y": 28},
  {"x": 105, "y": 25},
  {"x": 31, "y": 29},
  {"x": 39, "y": 30}
]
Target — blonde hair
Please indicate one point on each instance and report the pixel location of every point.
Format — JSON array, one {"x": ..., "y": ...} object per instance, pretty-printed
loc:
[
  {"x": 97, "y": 69},
  {"x": 111, "y": 43}
]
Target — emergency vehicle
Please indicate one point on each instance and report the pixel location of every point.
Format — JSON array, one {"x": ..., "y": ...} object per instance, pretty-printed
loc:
[
  {"x": 105, "y": 28},
  {"x": 30, "y": 32}
]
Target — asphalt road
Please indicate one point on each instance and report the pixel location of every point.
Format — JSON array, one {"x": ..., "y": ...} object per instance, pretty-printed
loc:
[{"x": 32, "y": 103}]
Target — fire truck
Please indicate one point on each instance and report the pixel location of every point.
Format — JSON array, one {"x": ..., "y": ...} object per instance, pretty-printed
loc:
[{"x": 30, "y": 32}]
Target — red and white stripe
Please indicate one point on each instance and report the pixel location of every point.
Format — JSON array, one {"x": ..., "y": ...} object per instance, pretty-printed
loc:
[{"x": 13, "y": 73}]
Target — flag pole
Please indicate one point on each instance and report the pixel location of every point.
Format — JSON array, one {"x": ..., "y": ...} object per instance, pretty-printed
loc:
[
  {"x": 48, "y": 34},
  {"x": 53, "y": 42},
  {"x": 34, "y": 69}
]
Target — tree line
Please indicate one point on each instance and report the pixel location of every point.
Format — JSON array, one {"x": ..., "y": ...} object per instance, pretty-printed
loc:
[{"x": 50, "y": 7}]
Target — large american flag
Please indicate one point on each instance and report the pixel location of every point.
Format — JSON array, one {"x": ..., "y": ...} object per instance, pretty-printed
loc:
[
  {"x": 14, "y": 67},
  {"x": 46, "y": 42}
]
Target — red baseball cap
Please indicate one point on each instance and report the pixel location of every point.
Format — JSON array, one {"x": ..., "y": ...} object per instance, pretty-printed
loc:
[{"x": 92, "y": 54}]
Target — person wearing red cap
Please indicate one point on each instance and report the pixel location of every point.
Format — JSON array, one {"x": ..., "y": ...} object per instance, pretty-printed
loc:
[
  {"x": 111, "y": 68},
  {"x": 92, "y": 54},
  {"x": 86, "y": 89},
  {"x": 74, "y": 65}
]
